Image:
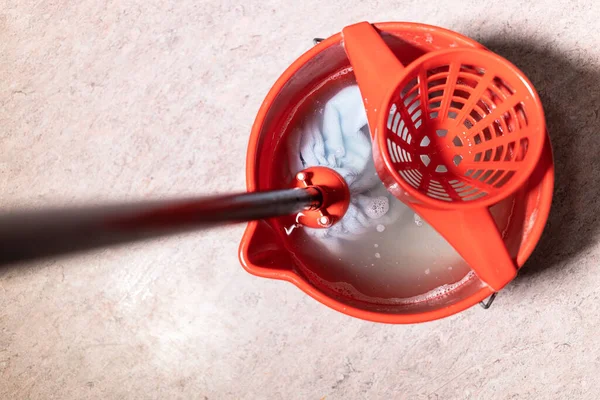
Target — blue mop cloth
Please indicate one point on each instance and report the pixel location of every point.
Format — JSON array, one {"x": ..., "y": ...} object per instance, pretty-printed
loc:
[{"x": 340, "y": 140}]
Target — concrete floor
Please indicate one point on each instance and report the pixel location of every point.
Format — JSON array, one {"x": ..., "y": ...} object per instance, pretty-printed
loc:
[{"x": 116, "y": 100}]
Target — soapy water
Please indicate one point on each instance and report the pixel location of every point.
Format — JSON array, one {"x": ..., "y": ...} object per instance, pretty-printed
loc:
[
  {"x": 347, "y": 290},
  {"x": 397, "y": 258}
]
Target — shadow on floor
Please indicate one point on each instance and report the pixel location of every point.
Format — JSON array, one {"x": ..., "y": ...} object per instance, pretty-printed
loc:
[{"x": 570, "y": 91}]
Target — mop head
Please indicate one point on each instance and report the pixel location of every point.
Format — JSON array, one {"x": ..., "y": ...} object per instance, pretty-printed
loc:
[{"x": 340, "y": 140}]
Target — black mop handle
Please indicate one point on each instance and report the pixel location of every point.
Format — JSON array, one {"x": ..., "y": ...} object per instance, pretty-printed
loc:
[{"x": 27, "y": 235}]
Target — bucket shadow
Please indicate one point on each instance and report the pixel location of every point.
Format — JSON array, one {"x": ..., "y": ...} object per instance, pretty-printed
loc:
[{"x": 570, "y": 91}]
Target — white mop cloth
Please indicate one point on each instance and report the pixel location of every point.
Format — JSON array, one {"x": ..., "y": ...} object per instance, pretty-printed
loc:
[{"x": 341, "y": 141}]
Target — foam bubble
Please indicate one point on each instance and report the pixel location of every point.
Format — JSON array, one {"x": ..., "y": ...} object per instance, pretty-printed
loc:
[
  {"x": 377, "y": 207},
  {"x": 418, "y": 220}
]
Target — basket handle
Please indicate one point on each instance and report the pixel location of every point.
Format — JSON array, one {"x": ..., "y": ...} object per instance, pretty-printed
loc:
[{"x": 376, "y": 68}]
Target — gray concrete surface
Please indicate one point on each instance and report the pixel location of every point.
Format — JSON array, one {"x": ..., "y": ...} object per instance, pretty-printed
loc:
[{"x": 115, "y": 100}]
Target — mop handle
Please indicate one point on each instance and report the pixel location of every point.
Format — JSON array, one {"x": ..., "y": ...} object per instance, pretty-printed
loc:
[{"x": 27, "y": 235}]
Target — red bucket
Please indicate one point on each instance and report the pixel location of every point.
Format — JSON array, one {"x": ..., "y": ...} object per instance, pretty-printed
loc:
[{"x": 266, "y": 250}]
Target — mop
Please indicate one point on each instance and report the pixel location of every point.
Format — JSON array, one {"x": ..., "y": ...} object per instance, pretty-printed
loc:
[{"x": 340, "y": 140}]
